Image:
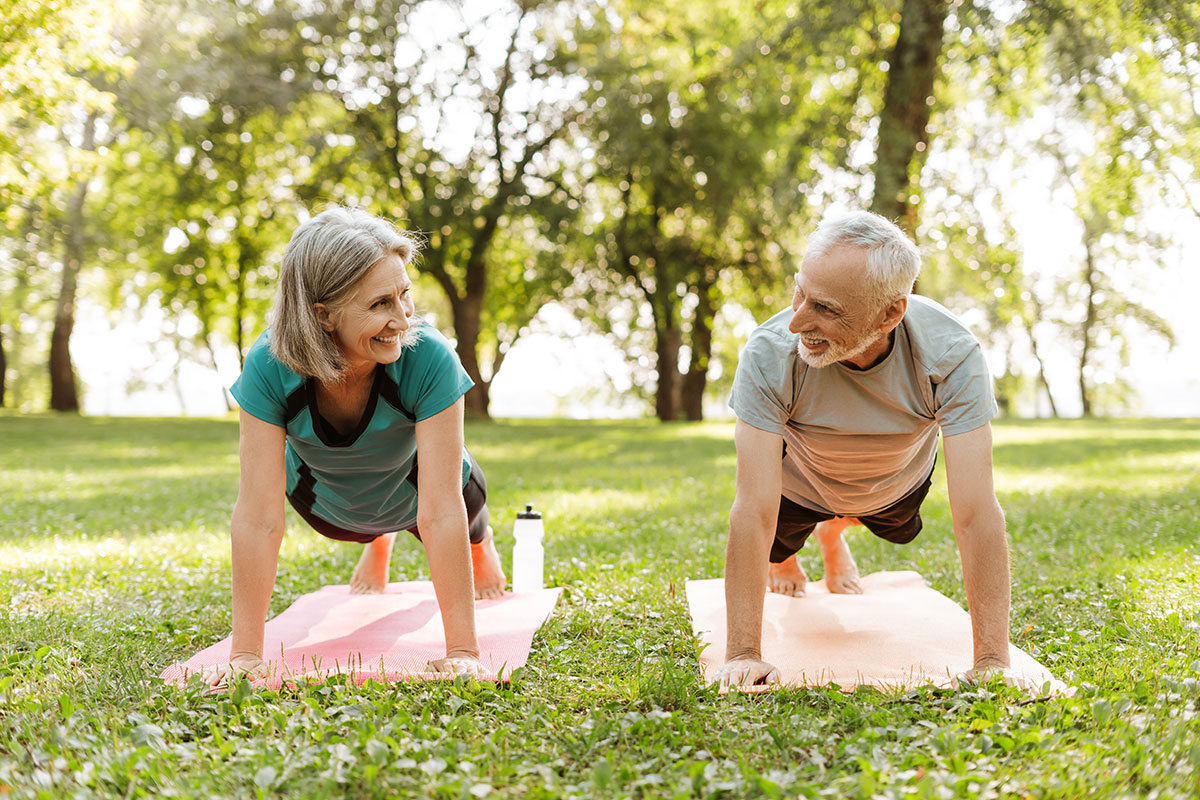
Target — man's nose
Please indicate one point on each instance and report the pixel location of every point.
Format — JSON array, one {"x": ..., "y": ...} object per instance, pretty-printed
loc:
[{"x": 800, "y": 318}]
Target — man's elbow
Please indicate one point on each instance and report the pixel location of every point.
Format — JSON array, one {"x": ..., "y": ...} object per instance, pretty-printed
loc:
[
  {"x": 751, "y": 520},
  {"x": 982, "y": 518}
]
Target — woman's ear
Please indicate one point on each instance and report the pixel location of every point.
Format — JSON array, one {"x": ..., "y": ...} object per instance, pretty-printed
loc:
[{"x": 324, "y": 317}]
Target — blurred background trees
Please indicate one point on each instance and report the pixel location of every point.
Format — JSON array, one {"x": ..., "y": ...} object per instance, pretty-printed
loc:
[{"x": 651, "y": 167}]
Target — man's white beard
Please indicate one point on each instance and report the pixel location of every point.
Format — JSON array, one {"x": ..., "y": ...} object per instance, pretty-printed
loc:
[{"x": 835, "y": 353}]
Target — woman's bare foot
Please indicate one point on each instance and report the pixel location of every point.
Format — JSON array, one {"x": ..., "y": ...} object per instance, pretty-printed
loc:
[
  {"x": 787, "y": 577},
  {"x": 371, "y": 574},
  {"x": 841, "y": 573},
  {"x": 488, "y": 572}
]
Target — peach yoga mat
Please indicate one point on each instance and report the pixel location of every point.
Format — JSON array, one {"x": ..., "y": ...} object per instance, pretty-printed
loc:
[
  {"x": 898, "y": 634},
  {"x": 389, "y": 636}
]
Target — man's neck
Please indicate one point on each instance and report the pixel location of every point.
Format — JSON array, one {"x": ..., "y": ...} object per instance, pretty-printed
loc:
[{"x": 873, "y": 355}]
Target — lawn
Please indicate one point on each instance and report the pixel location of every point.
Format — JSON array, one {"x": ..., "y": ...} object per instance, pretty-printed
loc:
[{"x": 114, "y": 562}]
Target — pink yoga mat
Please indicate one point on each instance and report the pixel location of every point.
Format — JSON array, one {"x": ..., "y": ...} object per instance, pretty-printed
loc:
[
  {"x": 898, "y": 634},
  {"x": 389, "y": 636}
]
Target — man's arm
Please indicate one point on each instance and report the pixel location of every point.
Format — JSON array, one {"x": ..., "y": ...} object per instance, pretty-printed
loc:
[
  {"x": 751, "y": 531},
  {"x": 979, "y": 532}
]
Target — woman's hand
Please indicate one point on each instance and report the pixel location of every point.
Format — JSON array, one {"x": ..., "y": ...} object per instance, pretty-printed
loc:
[
  {"x": 248, "y": 665},
  {"x": 457, "y": 664}
]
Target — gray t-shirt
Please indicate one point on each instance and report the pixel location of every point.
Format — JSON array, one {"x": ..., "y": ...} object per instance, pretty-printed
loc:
[{"x": 859, "y": 440}]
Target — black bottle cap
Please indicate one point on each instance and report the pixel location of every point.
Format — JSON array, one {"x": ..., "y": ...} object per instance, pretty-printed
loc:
[{"x": 528, "y": 513}]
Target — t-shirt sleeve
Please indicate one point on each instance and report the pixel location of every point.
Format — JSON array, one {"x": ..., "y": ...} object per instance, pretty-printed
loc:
[
  {"x": 259, "y": 389},
  {"x": 762, "y": 381},
  {"x": 962, "y": 390},
  {"x": 435, "y": 379}
]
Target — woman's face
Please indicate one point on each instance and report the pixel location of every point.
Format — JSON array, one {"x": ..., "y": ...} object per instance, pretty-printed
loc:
[{"x": 374, "y": 323}]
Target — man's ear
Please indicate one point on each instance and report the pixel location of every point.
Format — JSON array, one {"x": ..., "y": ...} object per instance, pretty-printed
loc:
[
  {"x": 893, "y": 312},
  {"x": 324, "y": 317}
]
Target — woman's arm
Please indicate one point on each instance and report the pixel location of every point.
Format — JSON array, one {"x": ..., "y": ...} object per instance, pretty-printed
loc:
[
  {"x": 256, "y": 532},
  {"x": 442, "y": 521}
]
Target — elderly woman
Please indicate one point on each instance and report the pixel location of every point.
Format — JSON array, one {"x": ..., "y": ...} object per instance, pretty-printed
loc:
[{"x": 352, "y": 409}]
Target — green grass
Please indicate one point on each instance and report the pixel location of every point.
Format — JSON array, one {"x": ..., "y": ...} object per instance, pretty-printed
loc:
[{"x": 114, "y": 562}]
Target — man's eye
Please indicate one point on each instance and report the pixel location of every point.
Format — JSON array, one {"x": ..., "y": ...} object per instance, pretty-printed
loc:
[{"x": 824, "y": 309}]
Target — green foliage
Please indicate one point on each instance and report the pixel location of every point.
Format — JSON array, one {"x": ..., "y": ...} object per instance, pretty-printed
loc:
[
  {"x": 711, "y": 124},
  {"x": 114, "y": 560},
  {"x": 230, "y": 138},
  {"x": 454, "y": 126}
]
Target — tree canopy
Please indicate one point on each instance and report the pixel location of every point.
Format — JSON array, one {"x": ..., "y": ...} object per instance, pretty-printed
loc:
[{"x": 653, "y": 167}]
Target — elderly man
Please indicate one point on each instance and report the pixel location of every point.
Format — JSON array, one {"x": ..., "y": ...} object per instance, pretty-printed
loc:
[{"x": 839, "y": 403}]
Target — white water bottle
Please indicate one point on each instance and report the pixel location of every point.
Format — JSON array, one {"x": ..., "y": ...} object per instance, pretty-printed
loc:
[{"x": 528, "y": 554}]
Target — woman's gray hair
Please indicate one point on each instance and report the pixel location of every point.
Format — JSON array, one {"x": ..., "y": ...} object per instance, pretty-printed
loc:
[
  {"x": 893, "y": 260},
  {"x": 325, "y": 258}
]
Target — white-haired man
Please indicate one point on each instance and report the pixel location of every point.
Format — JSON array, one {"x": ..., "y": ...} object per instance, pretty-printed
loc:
[{"x": 839, "y": 403}]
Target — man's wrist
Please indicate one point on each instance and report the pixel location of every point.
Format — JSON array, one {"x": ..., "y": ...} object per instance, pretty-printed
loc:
[
  {"x": 743, "y": 654},
  {"x": 992, "y": 661}
]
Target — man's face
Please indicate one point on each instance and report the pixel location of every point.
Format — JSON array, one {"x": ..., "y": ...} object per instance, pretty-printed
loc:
[{"x": 832, "y": 314}]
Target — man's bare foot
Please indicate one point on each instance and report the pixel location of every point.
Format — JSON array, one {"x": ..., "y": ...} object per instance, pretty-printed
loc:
[
  {"x": 488, "y": 572},
  {"x": 841, "y": 573},
  {"x": 371, "y": 574},
  {"x": 787, "y": 577}
]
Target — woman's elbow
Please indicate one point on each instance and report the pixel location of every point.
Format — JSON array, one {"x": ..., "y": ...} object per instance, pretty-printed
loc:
[{"x": 251, "y": 521}]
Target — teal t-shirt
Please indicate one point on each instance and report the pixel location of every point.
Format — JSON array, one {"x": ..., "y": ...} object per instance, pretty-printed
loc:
[{"x": 364, "y": 481}]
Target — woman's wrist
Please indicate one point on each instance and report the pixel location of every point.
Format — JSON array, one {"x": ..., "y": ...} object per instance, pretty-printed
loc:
[{"x": 462, "y": 652}]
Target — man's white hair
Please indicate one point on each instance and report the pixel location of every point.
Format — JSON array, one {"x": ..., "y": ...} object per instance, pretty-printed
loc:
[{"x": 893, "y": 260}]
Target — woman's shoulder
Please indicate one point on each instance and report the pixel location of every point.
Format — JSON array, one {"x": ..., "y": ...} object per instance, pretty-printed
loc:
[
  {"x": 428, "y": 343},
  {"x": 261, "y": 363}
]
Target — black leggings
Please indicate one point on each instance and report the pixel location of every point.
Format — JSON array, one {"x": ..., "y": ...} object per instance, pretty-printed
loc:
[{"x": 474, "y": 495}]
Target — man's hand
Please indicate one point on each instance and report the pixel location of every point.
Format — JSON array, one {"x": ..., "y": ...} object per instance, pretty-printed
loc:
[
  {"x": 249, "y": 665},
  {"x": 743, "y": 673},
  {"x": 1012, "y": 677},
  {"x": 461, "y": 664}
]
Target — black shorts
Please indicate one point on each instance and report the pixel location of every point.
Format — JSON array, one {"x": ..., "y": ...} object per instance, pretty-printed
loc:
[
  {"x": 899, "y": 523},
  {"x": 474, "y": 495}
]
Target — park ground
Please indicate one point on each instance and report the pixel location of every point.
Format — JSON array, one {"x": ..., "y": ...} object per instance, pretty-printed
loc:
[{"x": 114, "y": 563}]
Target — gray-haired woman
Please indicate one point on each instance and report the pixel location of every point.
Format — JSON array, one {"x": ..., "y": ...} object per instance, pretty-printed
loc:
[{"x": 352, "y": 409}]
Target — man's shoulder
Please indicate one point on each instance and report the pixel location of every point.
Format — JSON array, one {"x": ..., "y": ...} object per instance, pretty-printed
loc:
[{"x": 939, "y": 340}]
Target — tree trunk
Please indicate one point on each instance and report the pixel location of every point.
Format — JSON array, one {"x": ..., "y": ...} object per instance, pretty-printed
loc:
[
  {"x": 64, "y": 393},
  {"x": 667, "y": 341},
  {"x": 468, "y": 312},
  {"x": 1089, "y": 322},
  {"x": 907, "y": 103},
  {"x": 212, "y": 357},
  {"x": 3, "y": 367},
  {"x": 696, "y": 379},
  {"x": 1037, "y": 356}
]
